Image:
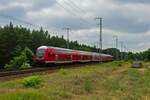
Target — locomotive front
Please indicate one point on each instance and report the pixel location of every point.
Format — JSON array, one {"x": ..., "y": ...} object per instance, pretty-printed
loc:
[{"x": 40, "y": 54}]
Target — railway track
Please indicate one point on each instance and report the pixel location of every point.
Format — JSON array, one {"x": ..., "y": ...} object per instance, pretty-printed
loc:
[
  {"x": 50, "y": 69},
  {"x": 9, "y": 73}
]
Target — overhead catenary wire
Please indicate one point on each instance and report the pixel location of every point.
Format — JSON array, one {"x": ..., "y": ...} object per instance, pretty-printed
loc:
[
  {"x": 73, "y": 13},
  {"x": 71, "y": 6},
  {"x": 15, "y": 19},
  {"x": 6, "y": 16},
  {"x": 38, "y": 26},
  {"x": 75, "y": 6}
]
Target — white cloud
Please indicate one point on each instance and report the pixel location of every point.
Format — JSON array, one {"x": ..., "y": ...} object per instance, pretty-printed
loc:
[{"x": 129, "y": 20}]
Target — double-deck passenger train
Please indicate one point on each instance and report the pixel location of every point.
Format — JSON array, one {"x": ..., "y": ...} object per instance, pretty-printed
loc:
[{"x": 48, "y": 54}]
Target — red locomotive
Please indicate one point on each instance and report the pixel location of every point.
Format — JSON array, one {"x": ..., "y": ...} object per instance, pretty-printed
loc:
[{"x": 47, "y": 54}]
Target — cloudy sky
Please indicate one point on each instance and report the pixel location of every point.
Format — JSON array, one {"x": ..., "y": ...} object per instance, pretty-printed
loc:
[{"x": 128, "y": 19}]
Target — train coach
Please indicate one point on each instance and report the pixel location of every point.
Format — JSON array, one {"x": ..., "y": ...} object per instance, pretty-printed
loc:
[{"x": 48, "y": 54}]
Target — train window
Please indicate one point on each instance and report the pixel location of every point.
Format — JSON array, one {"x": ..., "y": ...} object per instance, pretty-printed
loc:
[
  {"x": 61, "y": 51},
  {"x": 40, "y": 52}
]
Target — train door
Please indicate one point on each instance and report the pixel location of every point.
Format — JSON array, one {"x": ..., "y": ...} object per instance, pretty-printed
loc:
[{"x": 50, "y": 56}]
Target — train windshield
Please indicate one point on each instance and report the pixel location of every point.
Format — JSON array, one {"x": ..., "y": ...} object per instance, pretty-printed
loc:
[{"x": 40, "y": 52}]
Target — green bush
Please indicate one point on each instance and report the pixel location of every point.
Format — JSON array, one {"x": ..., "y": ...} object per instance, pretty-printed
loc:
[
  {"x": 32, "y": 81},
  {"x": 29, "y": 54},
  {"x": 25, "y": 66},
  {"x": 23, "y": 61},
  {"x": 16, "y": 63}
]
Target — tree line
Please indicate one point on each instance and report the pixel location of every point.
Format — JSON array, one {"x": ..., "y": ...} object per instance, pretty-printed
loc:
[{"x": 14, "y": 39}]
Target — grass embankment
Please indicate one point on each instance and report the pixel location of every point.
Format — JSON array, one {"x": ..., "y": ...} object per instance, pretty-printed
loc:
[{"x": 114, "y": 80}]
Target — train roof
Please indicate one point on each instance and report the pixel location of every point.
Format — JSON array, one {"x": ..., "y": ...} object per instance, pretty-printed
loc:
[
  {"x": 71, "y": 51},
  {"x": 42, "y": 47}
]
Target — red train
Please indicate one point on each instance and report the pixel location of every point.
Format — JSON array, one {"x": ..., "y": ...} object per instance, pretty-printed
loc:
[{"x": 47, "y": 54}]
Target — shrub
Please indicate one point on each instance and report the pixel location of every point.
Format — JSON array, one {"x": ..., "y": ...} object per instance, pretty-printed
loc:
[
  {"x": 32, "y": 81},
  {"x": 29, "y": 54},
  {"x": 16, "y": 62},
  {"x": 25, "y": 65},
  {"x": 23, "y": 61}
]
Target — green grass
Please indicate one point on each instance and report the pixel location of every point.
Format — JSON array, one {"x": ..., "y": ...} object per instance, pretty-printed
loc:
[{"x": 108, "y": 81}]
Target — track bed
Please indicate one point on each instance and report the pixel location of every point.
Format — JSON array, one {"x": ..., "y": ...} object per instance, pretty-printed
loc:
[{"x": 7, "y": 75}]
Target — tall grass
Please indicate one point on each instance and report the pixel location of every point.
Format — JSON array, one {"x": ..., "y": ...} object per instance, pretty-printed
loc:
[{"x": 96, "y": 82}]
